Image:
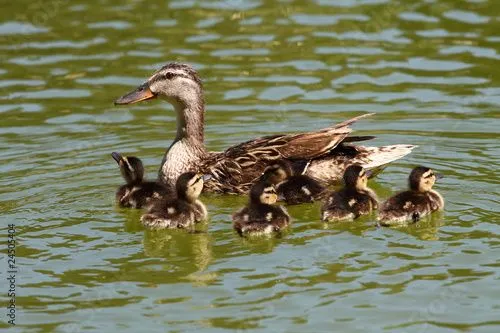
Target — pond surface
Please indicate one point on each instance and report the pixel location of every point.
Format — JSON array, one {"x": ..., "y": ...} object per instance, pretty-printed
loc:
[{"x": 428, "y": 69}]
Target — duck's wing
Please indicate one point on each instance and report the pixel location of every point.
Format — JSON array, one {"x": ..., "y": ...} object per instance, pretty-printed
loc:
[
  {"x": 235, "y": 169},
  {"x": 304, "y": 146}
]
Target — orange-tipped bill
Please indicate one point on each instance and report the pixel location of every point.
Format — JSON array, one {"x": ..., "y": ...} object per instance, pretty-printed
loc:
[{"x": 142, "y": 93}]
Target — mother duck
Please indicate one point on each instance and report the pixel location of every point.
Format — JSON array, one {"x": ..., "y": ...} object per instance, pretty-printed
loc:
[{"x": 323, "y": 154}]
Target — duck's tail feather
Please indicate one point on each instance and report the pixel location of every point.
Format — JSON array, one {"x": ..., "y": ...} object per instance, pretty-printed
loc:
[
  {"x": 377, "y": 157},
  {"x": 330, "y": 169}
]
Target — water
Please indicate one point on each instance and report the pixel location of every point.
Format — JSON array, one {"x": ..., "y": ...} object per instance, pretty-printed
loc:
[{"x": 428, "y": 69}]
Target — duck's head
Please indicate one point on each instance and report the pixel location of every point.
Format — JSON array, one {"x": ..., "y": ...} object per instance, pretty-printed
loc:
[
  {"x": 263, "y": 193},
  {"x": 130, "y": 166},
  {"x": 355, "y": 176},
  {"x": 176, "y": 83},
  {"x": 189, "y": 185},
  {"x": 277, "y": 172},
  {"x": 422, "y": 179}
]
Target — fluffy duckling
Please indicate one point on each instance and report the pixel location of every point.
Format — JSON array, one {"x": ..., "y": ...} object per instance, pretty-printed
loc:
[
  {"x": 260, "y": 217},
  {"x": 182, "y": 212},
  {"x": 293, "y": 189},
  {"x": 136, "y": 193},
  {"x": 419, "y": 201},
  {"x": 354, "y": 200}
]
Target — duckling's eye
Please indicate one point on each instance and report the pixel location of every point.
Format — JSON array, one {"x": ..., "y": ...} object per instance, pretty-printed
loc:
[
  {"x": 429, "y": 175},
  {"x": 169, "y": 75}
]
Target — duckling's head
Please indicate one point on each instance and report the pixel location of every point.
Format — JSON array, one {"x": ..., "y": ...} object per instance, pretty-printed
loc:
[
  {"x": 356, "y": 177},
  {"x": 175, "y": 82},
  {"x": 277, "y": 172},
  {"x": 130, "y": 166},
  {"x": 189, "y": 186},
  {"x": 422, "y": 179},
  {"x": 263, "y": 193}
]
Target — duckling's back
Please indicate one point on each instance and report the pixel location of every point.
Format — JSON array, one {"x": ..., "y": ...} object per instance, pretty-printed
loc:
[
  {"x": 409, "y": 206},
  {"x": 140, "y": 195},
  {"x": 260, "y": 220},
  {"x": 168, "y": 214},
  {"x": 348, "y": 204},
  {"x": 300, "y": 189}
]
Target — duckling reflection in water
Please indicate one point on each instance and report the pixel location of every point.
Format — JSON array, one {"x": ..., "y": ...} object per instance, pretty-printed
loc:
[
  {"x": 182, "y": 212},
  {"x": 260, "y": 217},
  {"x": 354, "y": 200},
  {"x": 410, "y": 206},
  {"x": 137, "y": 192},
  {"x": 293, "y": 189}
]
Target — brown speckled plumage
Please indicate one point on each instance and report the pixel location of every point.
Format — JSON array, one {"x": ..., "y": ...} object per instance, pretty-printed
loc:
[
  {"x": 325, "y": 152},
  {"x": 136, "y": 193},
  {"x": 184, "y": 211},
  {"x": 412, "y": 205},
  {"x": 260, "y": 216},
  {"x": 352, "y": 201}
]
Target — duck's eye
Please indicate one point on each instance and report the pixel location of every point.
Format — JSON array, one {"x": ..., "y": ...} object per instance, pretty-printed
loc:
[
  {"x": 429, "y": 175},
  {"x": 169, "y": 75}
]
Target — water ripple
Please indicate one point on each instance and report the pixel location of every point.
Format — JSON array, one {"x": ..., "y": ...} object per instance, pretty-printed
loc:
[{"x": 426, "y": 69}]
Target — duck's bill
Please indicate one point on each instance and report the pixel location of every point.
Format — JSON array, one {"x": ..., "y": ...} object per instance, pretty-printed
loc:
[
  {"x": 116, "y": 156},
  {"x": 369, "y": 173},
  {"x": 439, "y": 175},
  {"x": 142, "y": 93},
  {"x": 206, "y": 177}
]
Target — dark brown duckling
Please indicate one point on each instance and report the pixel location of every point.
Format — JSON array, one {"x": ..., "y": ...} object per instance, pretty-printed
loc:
[
  {"x": 354, "y": 200},
  {"x": 292, "y": 189},
  {"x": 260, "y": 217},
  {"x": 136, "y": 193},
  {"x": 410, "y": 206},
  {"x": 182, "y": 212}
]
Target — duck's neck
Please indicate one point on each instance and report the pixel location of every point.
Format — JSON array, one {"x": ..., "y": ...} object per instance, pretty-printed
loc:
[
  {"x": 188, "y": 149},
  {"x": 190, "y": 120}
]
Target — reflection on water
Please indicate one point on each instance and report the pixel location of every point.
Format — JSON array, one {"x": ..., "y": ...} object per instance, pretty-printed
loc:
[{"x": 428, "y": 69}]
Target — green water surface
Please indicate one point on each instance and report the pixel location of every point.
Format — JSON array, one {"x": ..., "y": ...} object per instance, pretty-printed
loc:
[{"x": 428, "y": 69}]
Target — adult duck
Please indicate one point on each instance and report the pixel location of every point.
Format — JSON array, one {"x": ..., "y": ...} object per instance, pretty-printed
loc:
[{"x": 323, "y": 154}]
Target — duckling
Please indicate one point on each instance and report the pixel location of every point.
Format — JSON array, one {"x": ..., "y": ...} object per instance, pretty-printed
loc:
[
  {"x": 419, "y": 201},
  {"x": 354, "y": 200},
  {"x": 182, "y": 212},
  {"x": 293, "y": 189},
  {"x": 136, "y": 193},
  {"x": 260, "y": 217}
]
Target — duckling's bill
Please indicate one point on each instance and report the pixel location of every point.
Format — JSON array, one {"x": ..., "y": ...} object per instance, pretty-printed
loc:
[
  {"x": 116, "y": 156},
  {"x": 142, "y": 93}
]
